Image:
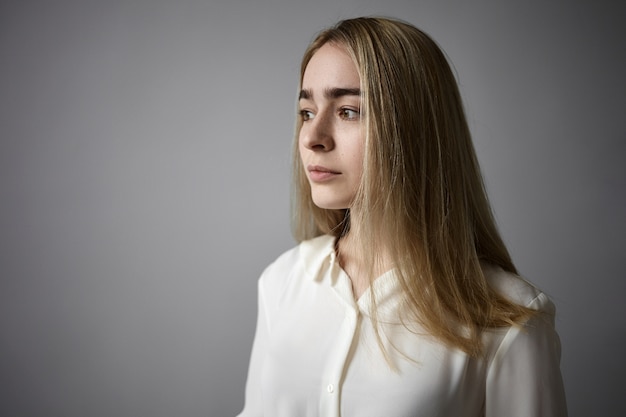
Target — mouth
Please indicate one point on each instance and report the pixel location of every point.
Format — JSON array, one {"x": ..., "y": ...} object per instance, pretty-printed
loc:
[{"x": 319, "y": 173}]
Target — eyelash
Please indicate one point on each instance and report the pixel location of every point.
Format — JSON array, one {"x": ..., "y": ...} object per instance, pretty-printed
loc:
[
  {"x": 343, "y": 114},
  {"x": 307, "y": 115}
]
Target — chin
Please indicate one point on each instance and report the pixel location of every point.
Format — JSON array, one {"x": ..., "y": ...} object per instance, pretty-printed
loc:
[{"x": 330, "y": 204}]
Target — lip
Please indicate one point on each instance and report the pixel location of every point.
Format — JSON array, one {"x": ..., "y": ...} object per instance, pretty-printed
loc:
[{"x": 318, "y": 173}]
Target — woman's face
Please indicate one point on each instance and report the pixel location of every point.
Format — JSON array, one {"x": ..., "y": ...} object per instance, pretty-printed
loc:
[{"x": 331, "y": 140}]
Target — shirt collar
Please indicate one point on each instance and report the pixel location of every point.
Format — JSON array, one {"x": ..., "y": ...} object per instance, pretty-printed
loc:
[
  {"x": 318, "y": 255},
  {"x": 315, "y": 252}
]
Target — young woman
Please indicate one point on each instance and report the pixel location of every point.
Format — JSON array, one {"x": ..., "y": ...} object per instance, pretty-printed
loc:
[{"x": 401, "y": 298}]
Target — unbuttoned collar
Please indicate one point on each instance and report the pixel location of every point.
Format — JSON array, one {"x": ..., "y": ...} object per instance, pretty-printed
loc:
[{"x": 318, "y": 257}]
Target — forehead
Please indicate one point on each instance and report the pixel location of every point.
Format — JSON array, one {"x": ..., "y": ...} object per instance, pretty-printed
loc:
[{"x": 330, "y": 66}]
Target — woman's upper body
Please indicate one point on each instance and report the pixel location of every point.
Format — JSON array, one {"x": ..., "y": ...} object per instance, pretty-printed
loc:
[
  {"x": 315, "y": 352},
  {"x": 402, "y": 298}
]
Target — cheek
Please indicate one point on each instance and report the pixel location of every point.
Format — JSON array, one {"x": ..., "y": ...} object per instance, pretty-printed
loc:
[
  {"x": 357, "y": 156},
  {"x": 358, "y": 168}
]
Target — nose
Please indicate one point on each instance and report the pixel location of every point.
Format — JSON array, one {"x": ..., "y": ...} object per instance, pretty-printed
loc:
[{"x": 317, "y": 134}]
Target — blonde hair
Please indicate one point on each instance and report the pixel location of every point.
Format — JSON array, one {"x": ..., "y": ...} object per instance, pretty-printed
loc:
[{"x": 421, "y": 195}]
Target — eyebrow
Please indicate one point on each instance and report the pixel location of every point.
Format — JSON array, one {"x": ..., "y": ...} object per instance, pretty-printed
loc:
[{"x": 331, "y": 93}]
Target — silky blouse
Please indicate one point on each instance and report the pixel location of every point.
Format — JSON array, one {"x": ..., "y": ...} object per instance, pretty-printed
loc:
[{"x": 315, "y": 351}]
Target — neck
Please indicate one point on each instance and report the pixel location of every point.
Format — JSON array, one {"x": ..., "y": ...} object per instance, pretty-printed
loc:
[{"x": 358, "y": 264}]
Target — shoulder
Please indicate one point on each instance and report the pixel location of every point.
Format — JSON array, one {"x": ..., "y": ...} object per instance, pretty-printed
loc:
[
  {"x": 535, "y": 339},
  {"x": 517, "y": 289},
  {"x": 303, "y": 260}
]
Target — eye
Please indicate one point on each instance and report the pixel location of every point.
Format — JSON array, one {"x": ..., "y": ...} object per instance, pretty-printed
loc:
[
  {"x": 306, "y": 115},
  {"x": 349, "y": 114}
]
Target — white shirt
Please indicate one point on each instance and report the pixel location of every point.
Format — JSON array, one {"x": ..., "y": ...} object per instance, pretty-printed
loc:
[{"x": 315, "y": 353}]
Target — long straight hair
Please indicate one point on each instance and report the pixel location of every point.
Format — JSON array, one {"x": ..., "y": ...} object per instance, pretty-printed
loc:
[{"x": 421, "y": 194}]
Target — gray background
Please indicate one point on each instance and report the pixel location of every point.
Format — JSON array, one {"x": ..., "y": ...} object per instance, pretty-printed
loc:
[{"x": 144, "y": 185}]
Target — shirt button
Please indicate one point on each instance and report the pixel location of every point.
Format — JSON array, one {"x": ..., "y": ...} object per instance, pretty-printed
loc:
[{"x": 330, "y": 388}]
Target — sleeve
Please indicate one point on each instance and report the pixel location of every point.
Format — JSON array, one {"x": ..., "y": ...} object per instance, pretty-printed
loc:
[
  {"x": 253, "y": 406},
  {"x": 524, "y": 377}
]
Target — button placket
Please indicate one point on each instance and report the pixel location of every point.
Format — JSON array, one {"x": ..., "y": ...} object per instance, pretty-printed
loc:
[{"x": 336, "y": 364}]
